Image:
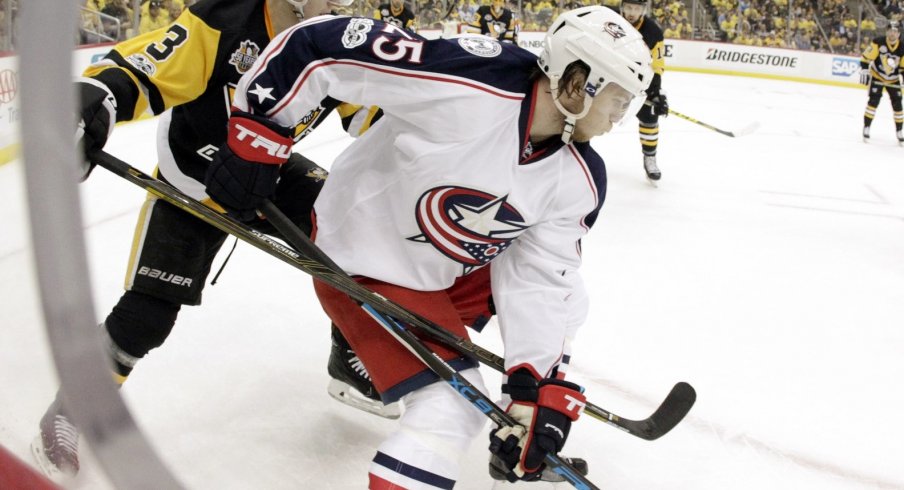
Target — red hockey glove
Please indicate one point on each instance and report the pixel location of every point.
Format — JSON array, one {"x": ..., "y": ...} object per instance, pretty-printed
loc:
[
  {"x": 245, "y": 170},
  {"x": 545, "y": 409}
]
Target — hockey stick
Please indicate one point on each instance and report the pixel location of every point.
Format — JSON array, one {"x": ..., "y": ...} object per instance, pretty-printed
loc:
[
  {"x": 746, "y": 130},
  {"x": 480, "y": 401},
  {"x": 452, "y": 5},
  {"x": 731, "y": 134},
  {"x": 409, "y": 340},
  {"x": 669, "y": 413},
  {"x": 415, "y": 345},
  {"x": 672, "y": 410}
]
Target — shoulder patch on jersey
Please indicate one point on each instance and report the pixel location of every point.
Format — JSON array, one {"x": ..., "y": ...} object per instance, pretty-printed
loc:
[
  {"x": 306, "y": 124},
  {"x": 142, "y": 64},
  {"x": 245, "y": 56},
  {"x": 480, "y": 46},
  {"x": 356, "y": 32}
]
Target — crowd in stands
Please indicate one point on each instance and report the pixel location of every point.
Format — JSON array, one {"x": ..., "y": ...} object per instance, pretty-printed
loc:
[
  {"x": 825, "y": 25},
  {"x": 115, "y": 20},
  {"x": 8, "y": 11},
  {"x": 889, "y": 8}
]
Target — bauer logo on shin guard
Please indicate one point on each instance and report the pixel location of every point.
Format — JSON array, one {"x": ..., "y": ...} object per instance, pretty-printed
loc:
[{"x": 164, "y": 276}]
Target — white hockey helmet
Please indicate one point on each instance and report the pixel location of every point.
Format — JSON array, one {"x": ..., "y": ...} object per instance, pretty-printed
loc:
[{"x": 607, "y": 43}]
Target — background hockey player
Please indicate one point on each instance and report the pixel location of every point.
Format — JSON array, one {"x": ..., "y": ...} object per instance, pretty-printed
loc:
[
  {"x": 482, "y": 156},
  {"x": 657, "y": 104},
  {"x": 496, "y": 21},
  {"x": 187, "y": 73},
  {"x": 880, "y": 69},
  {"x": 397, "y": 13}
]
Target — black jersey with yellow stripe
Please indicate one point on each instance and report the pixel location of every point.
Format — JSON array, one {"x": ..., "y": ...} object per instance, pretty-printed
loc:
[
  {"x": 403, "y": 18},
  {"x": 655, "y": 40},
  {"x": 884, "y": 60},
  {"x": 501, "y": 26},
  {"x": 187, "y": 73}
]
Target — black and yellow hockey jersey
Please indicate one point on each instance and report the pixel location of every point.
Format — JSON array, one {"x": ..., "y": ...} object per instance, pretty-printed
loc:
[
  {"x": 883, "y": 60},
  {"x": 501, "y": 27},
  {"x": 187, "y": 73},
  {"x": 403, "y": 17},
  {"x": 654, "y": 39}
]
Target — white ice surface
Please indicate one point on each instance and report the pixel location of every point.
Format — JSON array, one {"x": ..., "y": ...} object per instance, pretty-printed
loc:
[{"x": 767, "y": 271}]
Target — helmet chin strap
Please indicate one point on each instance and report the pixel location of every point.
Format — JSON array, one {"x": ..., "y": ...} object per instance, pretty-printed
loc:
[{"x": 570, "y": 117}]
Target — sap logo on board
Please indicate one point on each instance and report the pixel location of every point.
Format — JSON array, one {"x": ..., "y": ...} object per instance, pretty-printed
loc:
[{"x": 844, "y": 67}]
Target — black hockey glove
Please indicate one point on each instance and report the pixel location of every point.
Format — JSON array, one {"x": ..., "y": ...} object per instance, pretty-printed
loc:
[
  {"x": 245, "y": 170},
  {"x": 96, "y": 119},
  {"x": 545, "y": 409},
  {"x": 660, "y": 104},
  {"x": 864, "y": 76}
]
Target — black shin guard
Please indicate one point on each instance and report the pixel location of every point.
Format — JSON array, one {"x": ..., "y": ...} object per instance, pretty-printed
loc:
[{"x": 137, "y": 324}]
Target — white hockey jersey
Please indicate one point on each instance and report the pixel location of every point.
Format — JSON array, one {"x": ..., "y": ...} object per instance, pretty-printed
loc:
[{"x": 448, "y": 180}]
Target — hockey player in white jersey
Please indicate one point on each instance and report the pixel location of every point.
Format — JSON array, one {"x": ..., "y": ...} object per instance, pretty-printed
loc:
[{"x": 482, "y": 157}]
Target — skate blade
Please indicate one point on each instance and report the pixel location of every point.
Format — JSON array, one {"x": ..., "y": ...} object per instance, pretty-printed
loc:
[
  {"x": 351, "y": 397},
  {"x": 654, "y": 183},
  {"x": 46, "y": 466}
]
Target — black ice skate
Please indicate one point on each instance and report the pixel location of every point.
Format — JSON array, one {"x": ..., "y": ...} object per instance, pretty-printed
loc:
[
  {"x": 351, "y": 384},
  {"x": 649, "y": 166},
  {"x": 900, "y": 134},
  {"x": 866, "y": 134},
  {"x": 56, "y": 448},
  {"x": 498, "y": 470}
]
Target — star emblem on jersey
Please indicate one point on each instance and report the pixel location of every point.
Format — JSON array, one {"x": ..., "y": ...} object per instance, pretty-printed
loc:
[
  {"x": 468, "y": 226},
  {"x": 262, "y": 93}
]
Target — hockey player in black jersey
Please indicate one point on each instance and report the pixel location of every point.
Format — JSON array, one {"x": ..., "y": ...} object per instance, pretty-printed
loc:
[
  {"x": 395, "y": 12},
  {"x": 496, "y": 21},
  {"x": 880, "y": 69},
  {"x": 656, "y": 104},
  {"x": 187, "y": 73}
]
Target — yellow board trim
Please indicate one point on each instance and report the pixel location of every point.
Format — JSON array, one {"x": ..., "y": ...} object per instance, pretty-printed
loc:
[
  {"x": 9, "y": 153},
  {"x": 764, "y": 75}
]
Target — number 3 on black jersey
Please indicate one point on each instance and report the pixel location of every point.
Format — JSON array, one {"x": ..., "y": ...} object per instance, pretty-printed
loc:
[{"x": 176, "y": 35}]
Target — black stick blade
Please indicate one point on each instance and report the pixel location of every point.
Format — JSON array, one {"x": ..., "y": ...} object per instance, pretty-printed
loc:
[{"x": 672, "y": 410}]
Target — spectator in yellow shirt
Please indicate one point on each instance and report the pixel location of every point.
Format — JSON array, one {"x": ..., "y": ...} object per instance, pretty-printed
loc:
[{"x": 156, "y": 17}]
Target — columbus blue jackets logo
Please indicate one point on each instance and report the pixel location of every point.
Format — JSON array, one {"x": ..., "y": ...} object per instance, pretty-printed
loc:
[
  {"x": 614, "y": 30},
  {"x": 468, "y": 226}
]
